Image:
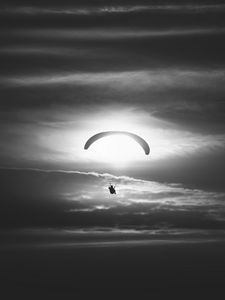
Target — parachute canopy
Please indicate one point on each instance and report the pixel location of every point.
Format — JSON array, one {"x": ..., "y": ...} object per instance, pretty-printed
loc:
[{"x": 136, "y": 137}]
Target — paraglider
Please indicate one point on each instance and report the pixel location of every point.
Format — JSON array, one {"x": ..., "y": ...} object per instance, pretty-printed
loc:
[
  {"x": 112, "y": 189},
  {"x": 136, "y": 137}
]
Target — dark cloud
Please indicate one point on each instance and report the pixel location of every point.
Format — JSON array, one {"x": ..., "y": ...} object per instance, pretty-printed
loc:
[{"x": 115, "y": 50}]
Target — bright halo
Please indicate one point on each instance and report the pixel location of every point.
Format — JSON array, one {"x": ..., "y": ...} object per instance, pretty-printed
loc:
[{"x": 117, "y": 150}]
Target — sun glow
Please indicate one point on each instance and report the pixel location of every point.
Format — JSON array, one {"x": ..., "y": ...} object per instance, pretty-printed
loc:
[
  {"x": 65, "y": 141},
  {"x": 118, "y": 150}
]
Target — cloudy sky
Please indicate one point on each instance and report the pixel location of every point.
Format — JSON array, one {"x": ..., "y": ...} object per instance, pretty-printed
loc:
[{"x": 71, "y": 70}]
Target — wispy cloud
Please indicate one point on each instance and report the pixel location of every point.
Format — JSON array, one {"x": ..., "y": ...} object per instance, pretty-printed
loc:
[
  {"x": 131, "y": 191},
  {"x": 104, "y": 10},
  {"x": 93, "y": 237},
  {"x": 112, "y": 33},
  {"x": 163, "y": 78},
  {"x": 90, "y": 209},
  {"x": 82, "y": 198},
  {"x": 38, "y": 50}
]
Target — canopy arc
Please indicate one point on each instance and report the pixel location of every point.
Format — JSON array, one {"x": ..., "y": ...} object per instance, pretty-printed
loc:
[{"x": 136, "y": 137}]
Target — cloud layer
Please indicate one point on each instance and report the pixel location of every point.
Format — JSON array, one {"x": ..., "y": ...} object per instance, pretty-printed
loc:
[
  {"x": 71, "y": 70},
  {"x": 62, "y": 198}
]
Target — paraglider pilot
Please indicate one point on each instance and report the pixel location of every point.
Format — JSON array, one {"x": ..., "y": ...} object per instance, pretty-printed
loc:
[{"x": 112, "y": 189}]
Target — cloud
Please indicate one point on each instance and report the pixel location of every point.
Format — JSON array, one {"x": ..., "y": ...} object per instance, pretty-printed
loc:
[
  {"x": 113, "y": 34},
  {"x": 43, "y": 50},
  {"x": 105, "y": 237},
  {"x": 165, "y": 64},
  {"x": 90, "y": 209},
  {"x": 113, "y": 9},
  {"x": 81, "y": 199},
  {"x": 131, "y": 190},
  {"x": 133, "y": 79}
]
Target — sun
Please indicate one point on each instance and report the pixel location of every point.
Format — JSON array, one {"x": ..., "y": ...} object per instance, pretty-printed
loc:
[
  {"x": 67, "y": 144},
  {"x": 119, "y": 150}
]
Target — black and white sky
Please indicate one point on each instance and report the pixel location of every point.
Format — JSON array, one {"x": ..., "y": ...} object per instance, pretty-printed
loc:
[{"x": 74, "y": 68}]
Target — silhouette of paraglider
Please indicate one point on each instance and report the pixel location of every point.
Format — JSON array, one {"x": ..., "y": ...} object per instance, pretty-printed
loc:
[
  {"x": 136, "y": 137},
  {"x": 112, "y": 189}
]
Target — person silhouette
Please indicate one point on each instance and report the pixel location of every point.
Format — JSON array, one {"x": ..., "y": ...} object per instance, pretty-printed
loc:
[{"x": 112, "y": 189}]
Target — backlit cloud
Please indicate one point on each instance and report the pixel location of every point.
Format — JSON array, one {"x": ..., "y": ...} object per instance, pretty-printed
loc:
[{"x": 76, "y": 196}]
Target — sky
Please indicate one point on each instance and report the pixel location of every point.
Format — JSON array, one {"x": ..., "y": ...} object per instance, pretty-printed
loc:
[{"x": 70, "y": 70}]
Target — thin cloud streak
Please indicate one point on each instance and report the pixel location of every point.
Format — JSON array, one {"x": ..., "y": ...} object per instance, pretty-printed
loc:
[
  {"x": 111, "y": 34},
  {"x": 105, "y": 10},
  {"x": 106, "y": 237},
  {"x": 138, "y": 78},
  {"x": 95, "y": 174},
  {"x": 32, "y": 50}
]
